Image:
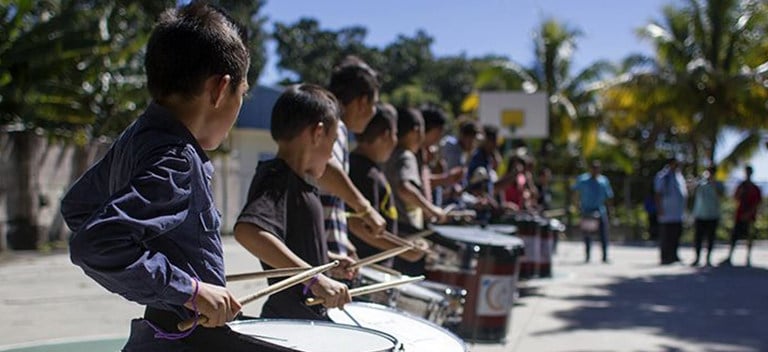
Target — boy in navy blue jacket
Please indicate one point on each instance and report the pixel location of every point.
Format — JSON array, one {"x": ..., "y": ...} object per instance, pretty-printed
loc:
[{"x": 144, "y": 222}]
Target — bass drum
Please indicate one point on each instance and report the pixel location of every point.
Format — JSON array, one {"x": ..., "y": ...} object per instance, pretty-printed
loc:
[{"x": 414, "y": 333}]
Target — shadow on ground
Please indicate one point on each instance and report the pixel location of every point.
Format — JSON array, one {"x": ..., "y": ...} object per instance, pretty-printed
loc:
[{"x": 724, "y": 305}]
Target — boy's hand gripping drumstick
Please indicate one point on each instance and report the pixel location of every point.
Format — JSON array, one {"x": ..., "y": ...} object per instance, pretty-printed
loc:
[
  {"x": 369, "y": 289},
  {"x": 282, "y": 285}
]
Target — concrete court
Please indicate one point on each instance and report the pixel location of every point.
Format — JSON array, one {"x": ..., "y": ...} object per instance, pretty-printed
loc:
[{"x": 631, "y": 304}]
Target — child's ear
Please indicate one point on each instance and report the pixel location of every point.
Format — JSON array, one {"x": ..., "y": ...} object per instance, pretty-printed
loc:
[
  {"x": 318, "y": 130},
  {"x": 219, "y": 89}
]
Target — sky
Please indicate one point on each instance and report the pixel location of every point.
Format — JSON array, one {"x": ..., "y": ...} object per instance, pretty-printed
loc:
[{"x": 501, "y": 27}]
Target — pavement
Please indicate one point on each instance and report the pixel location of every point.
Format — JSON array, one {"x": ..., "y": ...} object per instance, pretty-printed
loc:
[{"x": 631, "y": 304}]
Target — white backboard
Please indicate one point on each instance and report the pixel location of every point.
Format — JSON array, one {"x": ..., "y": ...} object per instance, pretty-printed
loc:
[{"x": 526, "y": 112}]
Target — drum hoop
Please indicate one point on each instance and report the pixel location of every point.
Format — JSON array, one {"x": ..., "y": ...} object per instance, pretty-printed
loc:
[
  {"x": 419, "y": 319},
  {"x": 509, "y": 241},
  {"x": 390, "y": 338}
]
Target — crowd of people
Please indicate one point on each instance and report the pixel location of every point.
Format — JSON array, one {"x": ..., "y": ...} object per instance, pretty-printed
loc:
[
  {"x": 671, "y": 193},
  {"x": 145, "y": 225},
  {"x": 349, "y": 176}
]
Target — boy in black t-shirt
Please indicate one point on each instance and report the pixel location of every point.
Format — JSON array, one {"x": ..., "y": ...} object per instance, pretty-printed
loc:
[
  {"x": 282, "y": 221},
  {"x": 374, "y": 146}
]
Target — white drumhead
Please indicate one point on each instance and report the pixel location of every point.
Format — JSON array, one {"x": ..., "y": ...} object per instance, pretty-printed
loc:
[
  {"x": 314, "y": 336},
  {"x": 414, "y": 333}
]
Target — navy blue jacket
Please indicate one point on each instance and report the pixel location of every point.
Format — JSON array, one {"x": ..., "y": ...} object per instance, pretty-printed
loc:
[{"x": 143, "y": 217}]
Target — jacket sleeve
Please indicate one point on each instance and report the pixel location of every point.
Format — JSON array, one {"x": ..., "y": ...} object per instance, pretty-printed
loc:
[{"x": 109, "y": 245}]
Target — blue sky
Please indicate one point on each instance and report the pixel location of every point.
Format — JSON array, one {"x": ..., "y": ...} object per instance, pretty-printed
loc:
[{"x": 482, "y": 27}]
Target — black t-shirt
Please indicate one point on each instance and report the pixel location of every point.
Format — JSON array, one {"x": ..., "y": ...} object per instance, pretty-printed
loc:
[
  {"x": 372, "y": 183},
  {"x": 284, "y": 204}
]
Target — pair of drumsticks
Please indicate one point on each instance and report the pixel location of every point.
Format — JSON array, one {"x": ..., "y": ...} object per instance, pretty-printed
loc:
[{"x": 298, "y": 275}]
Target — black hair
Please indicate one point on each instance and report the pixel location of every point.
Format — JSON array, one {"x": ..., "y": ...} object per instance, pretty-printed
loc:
[
  {"x": 301, "y": 106},
  {"x": 190, "y": 44},
  {"x": 490, "y": 132},
  {"x": 433, "y": 118},
  {"x": 385, "y": 120},
  {"x": 352, "y": 79},
  {"x": 468, "y": 128},
  {"x": 407, "y": 120}
]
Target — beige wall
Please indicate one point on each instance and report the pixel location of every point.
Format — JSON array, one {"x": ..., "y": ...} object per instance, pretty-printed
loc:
[{"x": 235, "y": 170}]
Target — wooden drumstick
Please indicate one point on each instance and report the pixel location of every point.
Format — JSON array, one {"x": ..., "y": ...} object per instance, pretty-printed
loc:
[
  {"x": 403, "y": 242},
  {"x": 421, "y": 234},
  {"x": 448, "y": 208},
  {"x": 462, "y": 213},
  {"x": 380, "y": 256},
  {"x": 385, "y": 269},
  {"x": 265, "y": 274},
  {"x": 369, "y": 289},
  {"x": 282, "y": 285}
]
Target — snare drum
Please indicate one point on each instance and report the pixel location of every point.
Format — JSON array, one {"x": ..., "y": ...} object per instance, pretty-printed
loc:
[
  {"x": 422, "y": 302},
  {"x": 369, "y": 276},
  {"x": 412, "y": 298},
  {"x": 529, "y": 230},
  {"x": 485, "y": 263},
  {"x": 455, "y": 297},
  {"x": 317, "y": 336},
  {"x": 414, "y": 333}
]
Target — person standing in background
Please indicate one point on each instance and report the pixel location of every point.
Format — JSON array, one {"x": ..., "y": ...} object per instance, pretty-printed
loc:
[
  {"x": 706, "y": 212},
  {"x": 671, "y": 194},
  {"x": 594, "y": 192},
  {"x": 748, "y": 196}
]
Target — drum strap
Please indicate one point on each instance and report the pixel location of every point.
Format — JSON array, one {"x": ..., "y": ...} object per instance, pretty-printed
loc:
[{"x": 164, "y": 319}]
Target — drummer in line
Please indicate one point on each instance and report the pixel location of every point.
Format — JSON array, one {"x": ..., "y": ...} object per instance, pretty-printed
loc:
[
  {"x": 143, "y": 219},
  {"x": 374, "y": 147},
  {"x": 282, "y": 221},
  {"x": 403, "y": 172}
]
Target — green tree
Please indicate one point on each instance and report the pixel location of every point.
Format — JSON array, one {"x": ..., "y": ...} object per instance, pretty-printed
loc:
[
  {"x": 575, "y": 114},
  {"x": 42, "y": 46},
  {"x": 311, "y": 52},
  {"x": 708, "y": 75}
]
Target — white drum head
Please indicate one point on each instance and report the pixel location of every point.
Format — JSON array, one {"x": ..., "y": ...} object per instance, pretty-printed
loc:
[
  {"x": 316, "y": 336},
  {"x": 414, "y": 333}
]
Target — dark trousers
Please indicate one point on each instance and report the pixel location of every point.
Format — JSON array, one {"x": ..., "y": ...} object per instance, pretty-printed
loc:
[
  {"x": 603, "y": 233},
  {"x": 653, "y": 227},
  {"x": 143, "y": 339},
  {"x": 669, "y": 241},
  {"x": 705, "y": 229}
]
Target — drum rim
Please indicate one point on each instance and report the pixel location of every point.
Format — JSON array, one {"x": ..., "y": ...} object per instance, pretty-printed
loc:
[
  {"x": 395, "y": 342},
  {"x": 409, "y": 315},
  {"x": 512, "y": 241}
]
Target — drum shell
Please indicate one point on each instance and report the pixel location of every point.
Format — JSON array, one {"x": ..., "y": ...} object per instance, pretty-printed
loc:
[
  {"x": 488, "y": 271},
  {"x": 412, "y": 298},
  {"x": 386, "y": 297},
  {"x": 539, "y": 242},
  {"x": 474, "y": 325},
  {"x": 452, "y": 309}
]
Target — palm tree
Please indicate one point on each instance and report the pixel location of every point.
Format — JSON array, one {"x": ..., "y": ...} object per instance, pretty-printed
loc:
[
  {"x": 707, "y": 75},
  {"x": 574, "y": 112}
]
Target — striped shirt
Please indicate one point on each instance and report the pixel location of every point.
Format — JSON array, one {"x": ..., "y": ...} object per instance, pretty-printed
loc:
[{"x": 333, "y": 206}]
